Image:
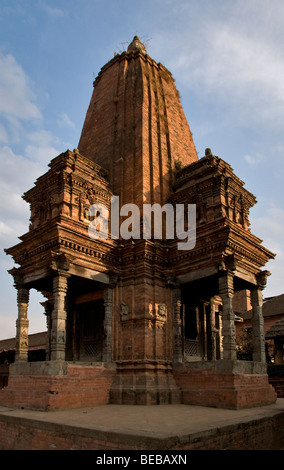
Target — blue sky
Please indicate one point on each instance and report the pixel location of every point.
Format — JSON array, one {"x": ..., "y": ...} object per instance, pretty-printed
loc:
[{"x": 227, "y": 57}]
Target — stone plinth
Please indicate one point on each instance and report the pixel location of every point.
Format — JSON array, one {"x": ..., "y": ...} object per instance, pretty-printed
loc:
[
  {"x": 225, "y": 384},
  {"x": 144, "y": 383},
  {"x": 57, "y": 385}
]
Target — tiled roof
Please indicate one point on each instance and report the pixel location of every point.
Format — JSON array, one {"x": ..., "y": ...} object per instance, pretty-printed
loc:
[{"x": 36, "y": 340}]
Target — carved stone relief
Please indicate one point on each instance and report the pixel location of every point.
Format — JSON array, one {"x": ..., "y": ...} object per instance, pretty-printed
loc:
[
  {"x": 124, "y": 311},
  {"x": 158, "y": 311}
]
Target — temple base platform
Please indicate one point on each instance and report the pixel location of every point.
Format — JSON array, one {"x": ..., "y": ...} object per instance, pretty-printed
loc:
[{"x": 56, "y": 385}]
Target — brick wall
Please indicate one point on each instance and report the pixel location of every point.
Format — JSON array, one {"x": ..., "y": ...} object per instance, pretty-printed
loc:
[
  {"x": 16, "y": 433},
  {"x": 264, "y": 434},
  {"x": 241, "y": 301},
  {"x": 278, "y": 385},
  {"x": 226, "y": 390},
  {"x": 81, "y": 386}
]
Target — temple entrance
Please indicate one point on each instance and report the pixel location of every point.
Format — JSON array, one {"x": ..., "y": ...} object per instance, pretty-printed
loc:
[
  {"x": 85, "y": 321},
  {"x": 90, "y": 317},
  {"x": 201, "y": 323},
  {"x": 192, "y": 344}
]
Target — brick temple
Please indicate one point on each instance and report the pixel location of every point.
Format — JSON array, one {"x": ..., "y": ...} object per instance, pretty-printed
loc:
[{"x": 135, "y": 320}]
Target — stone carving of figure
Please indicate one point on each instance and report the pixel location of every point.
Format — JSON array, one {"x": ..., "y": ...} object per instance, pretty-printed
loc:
[
  {"x": 124, "y": 310},
  {"x": 162, "y": 311}
]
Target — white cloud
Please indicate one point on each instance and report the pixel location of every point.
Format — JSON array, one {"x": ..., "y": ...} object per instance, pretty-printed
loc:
[
  {"x": 17, "y": 176},
  {"x": 42, "y": 146},
  {"x": 5, "y": 229},
  {"x": 254, "y": 160},
  {"x": 19, "y": 114},
  {"x": 17, "y": 172},
  {"x": 240, "y": 70},
  {"x": 16, "y": 97},
  {"x": 3, "y": 134},
  {"x": 64, "y": 121},
  {"x": 270, "y": 228},
  {"x": 41, "y": 153},
  {"x": 232, "y": 53},
  {"x": 53, "y": 12},
  {"x": 275, "y": 280}
]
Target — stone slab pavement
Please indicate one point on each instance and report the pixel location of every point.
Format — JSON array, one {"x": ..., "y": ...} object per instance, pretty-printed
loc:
[{"x": 160, "y": 422}]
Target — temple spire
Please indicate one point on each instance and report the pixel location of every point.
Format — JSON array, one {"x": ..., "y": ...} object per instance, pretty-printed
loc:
[
  {"x": 135, "y": 127},
  {"x": 135, "y": 45}
]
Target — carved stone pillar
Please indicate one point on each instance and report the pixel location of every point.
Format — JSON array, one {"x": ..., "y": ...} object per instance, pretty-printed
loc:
[
  {"x": 58, "y": 318},
  {"x": 107, "y": 345},
  {"x": 257, "y": 326},
  {"x": 48, "y": 308},
  {"x": 257, "y": 319},
  {"x": 213, "y": 329},
  {"x": 177, "y": 328},
  {"x": 22, "y": 325},
  {"x": 226, "y": 290},
  {"x": 204, "y": 328}
]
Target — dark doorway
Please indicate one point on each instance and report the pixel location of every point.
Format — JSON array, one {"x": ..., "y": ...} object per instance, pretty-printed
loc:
[{"x": 90, "y": 319}]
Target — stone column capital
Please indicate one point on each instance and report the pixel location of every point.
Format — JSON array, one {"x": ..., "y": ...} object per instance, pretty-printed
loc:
[
  {"x": 171, "y": 281},
  {"x": 228, "y": 263},
  {"x": 261, "y": 279},
  {"x": 60, "y": 281},
  {"x": 226, "y": 283},
  {"x": 113, "y": 280},
  {"x": 23, "y": 294},
  {"x": 59, "y": 262},
  {"x": 17, "y": 276}
]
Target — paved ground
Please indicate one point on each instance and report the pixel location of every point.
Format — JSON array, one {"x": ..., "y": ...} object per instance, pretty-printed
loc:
[{"x": 162, "y": 421}]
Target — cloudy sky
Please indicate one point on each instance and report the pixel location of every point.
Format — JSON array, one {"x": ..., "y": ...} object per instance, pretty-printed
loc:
[{"x": 227, "y": 57}]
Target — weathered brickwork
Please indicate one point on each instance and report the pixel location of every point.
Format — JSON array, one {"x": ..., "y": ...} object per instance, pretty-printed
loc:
[
  {"x": 257, "y": 434},
  {"x": 224, "y": 390},
  {"x": 81, "y": 386},
  {"x": 134, "y": 121},
  {"x": 278, "y": 384}
]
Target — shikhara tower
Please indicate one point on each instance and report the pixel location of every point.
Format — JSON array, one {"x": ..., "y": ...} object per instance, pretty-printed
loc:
[{"x": 138, "y": 321}]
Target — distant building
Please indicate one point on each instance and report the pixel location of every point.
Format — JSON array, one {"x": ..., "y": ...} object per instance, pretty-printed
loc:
[
  {"x": 273, "y": 316},
  {"x": 36, "y": 352}
]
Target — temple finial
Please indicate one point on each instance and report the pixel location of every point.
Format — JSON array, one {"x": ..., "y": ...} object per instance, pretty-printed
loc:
[{"x": 136, "y": 44}]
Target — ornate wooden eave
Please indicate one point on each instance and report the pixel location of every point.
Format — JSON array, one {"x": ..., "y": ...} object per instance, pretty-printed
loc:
[
  {"x": 59, "y": 203},
  {"x": 222, "y": 223},
  {"x": 247, "y": 247}
]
